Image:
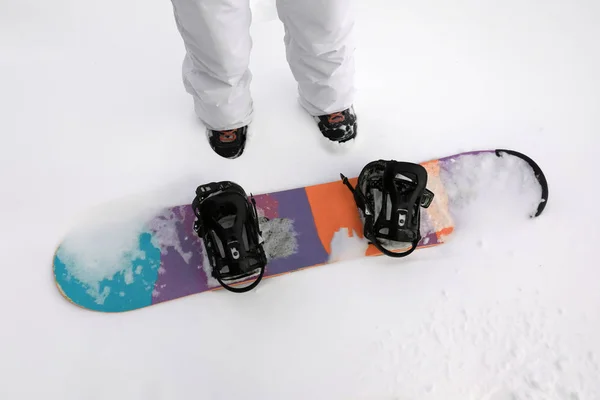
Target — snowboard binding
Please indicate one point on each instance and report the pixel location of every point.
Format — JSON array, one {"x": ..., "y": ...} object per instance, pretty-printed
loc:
[
  {"x": 390, "y": 195},
  {"x": 228, "y": 225}
]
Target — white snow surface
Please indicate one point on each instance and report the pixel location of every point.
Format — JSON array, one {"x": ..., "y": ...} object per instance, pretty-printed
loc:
[{"x": 92, "y": 109}]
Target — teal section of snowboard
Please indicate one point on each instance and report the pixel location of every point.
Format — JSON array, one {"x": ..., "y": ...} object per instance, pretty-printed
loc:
[{"x": 129, "y": 289}]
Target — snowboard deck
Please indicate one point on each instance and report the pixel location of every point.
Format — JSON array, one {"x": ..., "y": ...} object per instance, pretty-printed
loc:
[{"x": 121, "y": 265}]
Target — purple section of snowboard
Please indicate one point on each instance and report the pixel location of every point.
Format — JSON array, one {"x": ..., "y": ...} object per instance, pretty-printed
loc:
[
  {"x": 429, "y": 240},
  {"x": 444, "y": 160},
  {"x": 432, "y": 238},
  {"x": 293, "y": 204},
  {"x": 177, "y": 276},
  {"x": 182, "y": 273}
]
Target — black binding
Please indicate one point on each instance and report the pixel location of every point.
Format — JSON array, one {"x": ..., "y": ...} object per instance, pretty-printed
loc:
[
  {"x": 396, "y": 214},
  {"x": 228, "y": 225}
]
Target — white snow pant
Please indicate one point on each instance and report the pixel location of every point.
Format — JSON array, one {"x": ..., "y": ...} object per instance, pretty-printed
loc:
[{"x": 216, "y": 33}]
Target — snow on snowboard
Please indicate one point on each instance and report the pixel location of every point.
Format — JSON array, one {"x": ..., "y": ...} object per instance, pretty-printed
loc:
[{"x": 228, "y": 239}]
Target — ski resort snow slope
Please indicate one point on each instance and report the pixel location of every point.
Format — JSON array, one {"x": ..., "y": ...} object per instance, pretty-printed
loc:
[{"x": 92, "y": 109}]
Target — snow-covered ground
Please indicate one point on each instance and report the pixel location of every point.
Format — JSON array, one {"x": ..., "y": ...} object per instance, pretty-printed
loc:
[{"x": 92, "y": 109}]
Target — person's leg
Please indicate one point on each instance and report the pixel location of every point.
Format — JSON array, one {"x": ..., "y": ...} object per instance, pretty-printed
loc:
[
  {"x": 319, "y": 40},
  {"x": 216, "y": 35}
]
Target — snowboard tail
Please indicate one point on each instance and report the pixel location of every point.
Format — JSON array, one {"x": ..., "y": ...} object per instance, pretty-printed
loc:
[{"x": 157, "y": 257}]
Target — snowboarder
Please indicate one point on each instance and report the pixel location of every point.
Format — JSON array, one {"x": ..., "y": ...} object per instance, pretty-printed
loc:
[{"x": 319, "y": 41}]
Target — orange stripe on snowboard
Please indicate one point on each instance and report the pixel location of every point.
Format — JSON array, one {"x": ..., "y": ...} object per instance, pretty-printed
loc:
[{"x": 333, "y": 209}]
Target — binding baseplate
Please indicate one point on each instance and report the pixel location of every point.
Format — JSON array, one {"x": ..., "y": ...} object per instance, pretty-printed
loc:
[
  {"x": 228, "y": 224},
  {"x": 390, "y": 194}
]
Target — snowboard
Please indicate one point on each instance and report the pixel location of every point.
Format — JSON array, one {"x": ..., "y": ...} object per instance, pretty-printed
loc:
[{"x": 137, "y": 260}]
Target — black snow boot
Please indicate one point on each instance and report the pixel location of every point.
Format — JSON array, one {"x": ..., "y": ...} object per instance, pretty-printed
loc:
[
  {"x": 230, "y": 143},
  {"x": 338, "y": 127}
]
